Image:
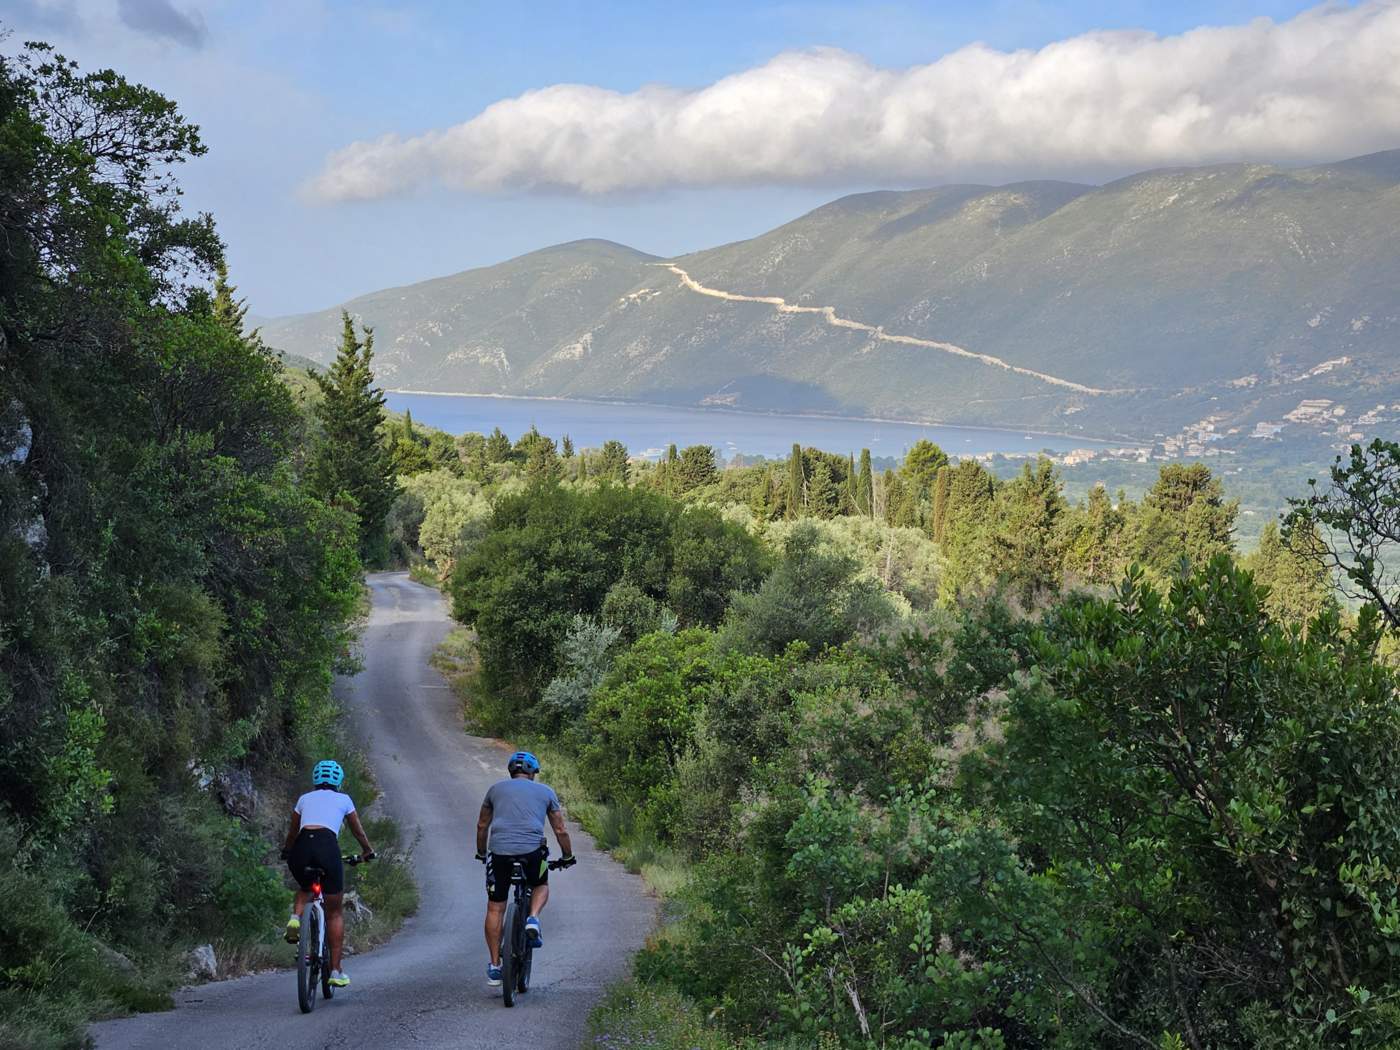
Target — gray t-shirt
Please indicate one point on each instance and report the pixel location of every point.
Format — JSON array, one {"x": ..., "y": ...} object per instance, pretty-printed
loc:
[{"x": 519, "y": 809}]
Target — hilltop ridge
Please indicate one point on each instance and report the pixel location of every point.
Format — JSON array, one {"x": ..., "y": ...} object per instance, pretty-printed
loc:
[{"x": 1136, "y": 308}]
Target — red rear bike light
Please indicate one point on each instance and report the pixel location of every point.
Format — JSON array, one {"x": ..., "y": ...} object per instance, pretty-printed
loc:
[{"x": 316, "y": 887}]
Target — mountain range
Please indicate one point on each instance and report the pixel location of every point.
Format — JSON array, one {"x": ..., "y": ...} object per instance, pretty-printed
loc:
[{"x": 1232, "y": 292}]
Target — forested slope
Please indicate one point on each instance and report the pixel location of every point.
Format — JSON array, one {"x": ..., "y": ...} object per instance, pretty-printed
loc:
[{"x": 173, "y": 600}]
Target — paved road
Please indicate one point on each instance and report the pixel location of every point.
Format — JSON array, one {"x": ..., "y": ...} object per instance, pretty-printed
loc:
[{"x": 426, "y": 987}]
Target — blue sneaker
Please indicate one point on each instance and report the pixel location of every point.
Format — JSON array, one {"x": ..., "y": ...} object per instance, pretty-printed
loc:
[
  {"x": 493, "y": 975},
  {"x": 532, "y": 932}
]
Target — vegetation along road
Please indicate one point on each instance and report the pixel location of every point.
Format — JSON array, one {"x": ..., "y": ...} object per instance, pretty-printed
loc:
[{"x": 427, "y": 986}]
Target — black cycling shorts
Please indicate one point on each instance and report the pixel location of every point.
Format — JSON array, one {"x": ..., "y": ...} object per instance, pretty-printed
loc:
[
  {"x": 317, "y": 847},
  {"x": 498, "y": 872}
]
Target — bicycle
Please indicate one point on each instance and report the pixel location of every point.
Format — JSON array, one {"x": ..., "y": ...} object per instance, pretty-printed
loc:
[
  {"x": 516, "y": 953},
  {"x": 313, "y": 950}
]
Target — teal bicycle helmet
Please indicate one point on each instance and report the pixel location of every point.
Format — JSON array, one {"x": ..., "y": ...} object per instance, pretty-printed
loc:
[
  {"x": 327, "y": 771},
  {"x": 522, "y": 762}
]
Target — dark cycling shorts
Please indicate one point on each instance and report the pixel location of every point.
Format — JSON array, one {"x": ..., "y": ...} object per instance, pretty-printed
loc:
[
  {"x": 317, "y": 847},
  {"x": 498, "y": 872}
]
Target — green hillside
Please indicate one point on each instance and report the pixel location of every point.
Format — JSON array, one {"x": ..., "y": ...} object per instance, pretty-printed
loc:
[{"x": 1187, "y": 293}]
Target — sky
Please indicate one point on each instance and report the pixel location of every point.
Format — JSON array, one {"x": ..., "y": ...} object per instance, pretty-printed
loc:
[{"x": 355, "y": 146}]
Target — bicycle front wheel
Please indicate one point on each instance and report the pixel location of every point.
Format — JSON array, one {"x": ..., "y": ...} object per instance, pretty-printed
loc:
[
  {"x": 527, "y": 958},
  {"x": 510, "y": 939},
  {"x": 308, "y": 959}
]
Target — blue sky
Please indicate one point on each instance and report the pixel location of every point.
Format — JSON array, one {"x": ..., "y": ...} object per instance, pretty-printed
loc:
[{"x": 279, "y": 88}]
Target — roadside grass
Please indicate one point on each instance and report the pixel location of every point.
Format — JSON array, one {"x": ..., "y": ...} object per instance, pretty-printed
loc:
[
  {"x": 420, "y": 571},
  {"x": 643, "y": 1016}
]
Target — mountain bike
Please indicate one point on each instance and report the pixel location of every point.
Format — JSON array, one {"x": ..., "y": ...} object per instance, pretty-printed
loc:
[
  {"x": 313, "y": 949},
  {"x": 516, "y": 953}
]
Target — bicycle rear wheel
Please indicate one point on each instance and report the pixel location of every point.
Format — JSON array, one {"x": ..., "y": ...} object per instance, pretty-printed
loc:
[
  {"x": 326, "y": 989},
  {"x": 308, "y": 959}
]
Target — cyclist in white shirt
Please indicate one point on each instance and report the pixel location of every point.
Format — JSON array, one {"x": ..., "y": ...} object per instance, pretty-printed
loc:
[{"x": 313, "y": 840}]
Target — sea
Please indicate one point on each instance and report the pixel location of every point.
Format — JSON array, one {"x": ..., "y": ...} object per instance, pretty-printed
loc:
[{"x": 646, "y": 430}]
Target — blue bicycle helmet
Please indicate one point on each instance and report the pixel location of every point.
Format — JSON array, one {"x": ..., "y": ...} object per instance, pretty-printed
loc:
[
  {"x": 522, "y": 762},
  {"x": 328, "y": 771}
]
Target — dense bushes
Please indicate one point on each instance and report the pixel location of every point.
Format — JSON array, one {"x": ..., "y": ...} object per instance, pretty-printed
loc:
[
  {"x": 1179, "y": 825},
  {"x": 552, "y": 553}
]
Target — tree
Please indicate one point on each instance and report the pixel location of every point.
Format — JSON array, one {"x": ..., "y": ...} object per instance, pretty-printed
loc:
[
  {"x": 967, "y": 528},
  {"x": 695, "y": 468},
  {"x": 349, "y": 461},
  {"x": 797, "y": 484},
  {"x": 1026, "y": 538},
  {"x": 920, "y": 469},
  {"x": 711, "y": 561},
  {"x": 471, "y": 451},
  {"x": 813, "y": 595},
  {"x": 408, "y": 451},
  {"x": 1360, "y": 512},
  {"x": 542, "y": 461},
  {"x": 865, "y": 486},
  {"x": 939, "y": 511},
  {"x": 611, "y": 463},
  {"x": 823, "y": 495},
  {"x": 1295, "y": 571},
  {"x": 498, "y": 447},
  {"x": 549, "y": 553},
  {"x": 1094, "y": 539},
  {"x": 229, "y": 310},
  {"x": 567, "y": 448},
  {"x": 1183, "y": 515}
]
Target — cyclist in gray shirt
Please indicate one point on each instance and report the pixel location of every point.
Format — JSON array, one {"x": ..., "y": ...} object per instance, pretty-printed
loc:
[{"x": 511, "y": 828}]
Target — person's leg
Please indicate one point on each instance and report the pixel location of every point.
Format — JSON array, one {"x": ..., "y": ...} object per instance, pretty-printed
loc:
[
  {"x": 538, "y": 899},
  {"x": 335, "y": 926},
  {"x": 495, "y": 921},
  {"x": 299, "y": 903}
]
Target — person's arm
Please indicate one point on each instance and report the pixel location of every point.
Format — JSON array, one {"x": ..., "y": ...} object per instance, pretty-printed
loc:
[
  {"x": 292, "y": 829},
  {"x": 353, "y": 819},
  {"x": 483, "y": 826},
  {"x": 561, "y": 833}
]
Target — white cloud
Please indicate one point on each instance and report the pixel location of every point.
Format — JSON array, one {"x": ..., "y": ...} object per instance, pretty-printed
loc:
[{"x": 1325, "y": 84}]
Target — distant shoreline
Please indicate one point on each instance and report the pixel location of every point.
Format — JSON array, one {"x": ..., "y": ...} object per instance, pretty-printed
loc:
[{"x": 1115, "y": 442}]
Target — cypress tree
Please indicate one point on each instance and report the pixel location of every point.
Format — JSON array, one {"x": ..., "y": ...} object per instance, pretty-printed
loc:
[
  {"x": 797, "y": 483},
  {"x": 582, "y": 466},
  {"x": 865, "y": 486},
  {"x": 228, "y": 310},
  {"x": 568, "y": 448},
  {"x": 941, "y": 482},
  {"x": 350, "y": 463}
]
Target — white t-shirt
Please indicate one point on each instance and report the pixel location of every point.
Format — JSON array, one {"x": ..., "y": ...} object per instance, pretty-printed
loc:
[{"x": 328, "y": 809}]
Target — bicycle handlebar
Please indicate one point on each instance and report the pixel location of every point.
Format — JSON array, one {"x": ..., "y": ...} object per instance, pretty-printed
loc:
[{"x": 353, "y": 859}]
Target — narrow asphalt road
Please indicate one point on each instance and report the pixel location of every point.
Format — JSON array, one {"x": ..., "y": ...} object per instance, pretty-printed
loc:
[{"x": 426, "y": 987}]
